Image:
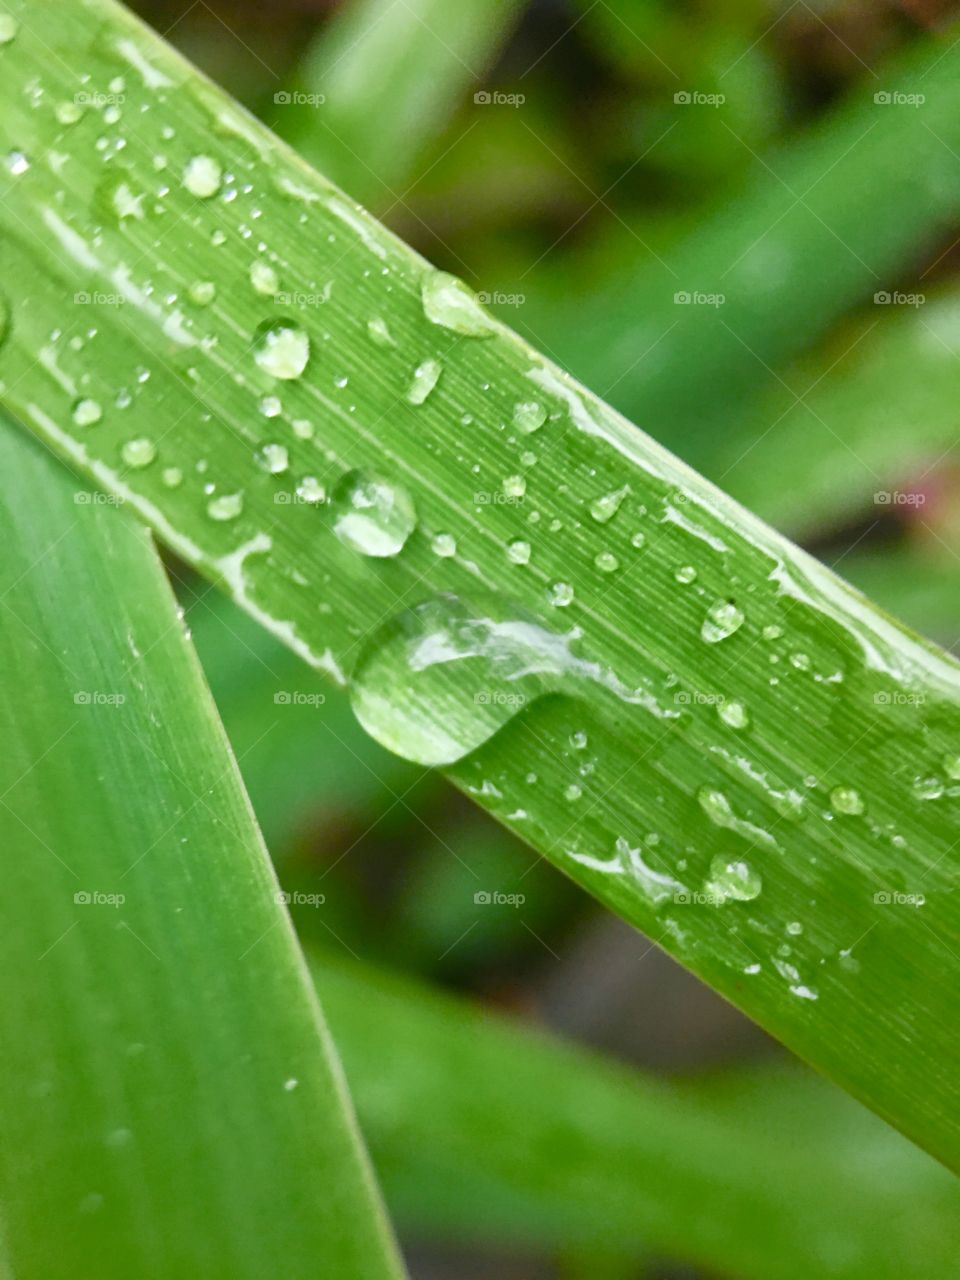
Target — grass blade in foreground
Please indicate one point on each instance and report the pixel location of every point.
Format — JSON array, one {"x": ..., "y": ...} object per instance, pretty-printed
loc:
[
  {"x": 697, "y": 722},
  {"x": 790, "y": 1180},
  {"x": 170, "y": 1098}
]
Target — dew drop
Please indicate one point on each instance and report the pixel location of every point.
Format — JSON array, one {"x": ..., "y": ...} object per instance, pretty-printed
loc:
[
  {"x": 172, "y": 477},
  {"x": 17, "y": 163},
  {"x": 380, "y": 333},
  {"x": 68, "y": 112},
  {"x": 733, "y": 714},
  {"x": 86, "y": 413},
  {"x": 846, "y": 800},
  {"x": 138, "y": 453},
  {"x": 951, "y": 765},
  {"x": 371, "y": 515},
  {"x": 686, "y": 574},
  {"x": 722, "y": 620},
  {"x": 225, "y": 507},
  {"x": 604, "y": 508},
  {"x": 733, "y": 879},
  {"x": 448, "y": 302},
  {"x": 445, "y": 545},
  {"x": 202, "y": 292},
  {"x": 606, "y": 561},
  {"x": 202, "y": 177},
  {"x": 573, "y": 792},
  {"x": 281, "y": 349},
  {"x": 638, "y": 540},
  {"x": 928, "y": 788},
  {"x": 425, "y": 378},
  {"x": 264, "y": 278},
  {"x": 529, "y": 416},
  {"x": 8, "y": 28},
  {"x": 514, "y": 486},
  {"x": 274, "y": 459},
  {"x": 518, "y": 551},
  {"x": 311, "y": 491},
  {"x": 561, "y": 594}
]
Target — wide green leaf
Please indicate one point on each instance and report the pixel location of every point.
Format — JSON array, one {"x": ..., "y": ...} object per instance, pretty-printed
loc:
[
  {"x": 692, "y": 718},
  {"x": 170, "y": 1101}
]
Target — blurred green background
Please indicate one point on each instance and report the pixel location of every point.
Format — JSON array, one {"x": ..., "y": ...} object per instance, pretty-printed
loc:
[{"x": 740, "y": 223}]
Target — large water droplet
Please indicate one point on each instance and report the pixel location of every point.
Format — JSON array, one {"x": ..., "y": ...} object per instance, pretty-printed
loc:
[
  {"x": 733, "y": 879},
  {"x": 606, "y": 507},
  {"x": 225, "y": 507},
  {"x": 846, "y": 800},
  {"x": 138, "y": 453},
  {"x": 371, "y": 515},
  {"x": 274, "y": 459},
  {"x": 529, "y": 416},
  {"x": 264, "y": 278},
  {"x": 281, "y": 348},
  {"x": 202, "y": 176},
  {"x": 425, "y": 378},
  {"x": 8, "y": 28},
  {"x": 86, "y": 412},
  {"x": 448, "y": 302},
  {"x": 722, "y": 620}
]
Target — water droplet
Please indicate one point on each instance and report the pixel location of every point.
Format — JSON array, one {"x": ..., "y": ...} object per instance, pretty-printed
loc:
[
  {"x": 274, "y": 459},
  {"x": 225, "y": 507},
  {"x": 202, "y": 292},
  {"x": 17, "y": 163},
  {"x": 638, "y": 540},
  {"x": 561, "y": 594},
  {"x": 733, "y": 714},
  {"x": 686, "y": 574},
  {"x": 425, "y": 378},
  {"x": 67, "y": 112},
  {"x": 722, "y": 620},
  {"x": 291, "y": 1084},
  {"x": 264, "y": 278},
  {"x": 794, "y": 928},
  {"x": 529, "y": 416},
  {"x": 448, "y": 302},
  {"x": 733, "y": 879},
  {"x": 202, "y": 177},
  {"x": 138, "y": 453},
  {"x": 772, "y": 632},
  {"x": 928, "y": 788},
  {"x": 606, "y": 507},
  {"x": 573, "y": 792},
  {"x": 846, "y": 800},
  {"x": 801, "y": 661},
  {"x": 8, "y": 28},
  {"x": 311, "y": 490},
  {"x": 380, "y": 333},
  {"x": 514, "y": 486},
  {"x": 86, "y": 413},
  {"x": 606, "y": 561},
  {"x": 371, "y": 515},
  {"x": 444, "y": 544},
  {"x": 952, "y": 766},
  {"x": 281, "y": 348},
  {"x": 518, "y": 551},
  {"x": 579, "y": 740},
  {"x": 303, "y": 429},
  {"x": 720, "y": 812},
  {"x": 172, "y": 477}
]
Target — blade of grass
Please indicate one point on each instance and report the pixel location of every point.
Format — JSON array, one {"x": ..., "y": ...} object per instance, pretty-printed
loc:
[
  {"x": 766, "y": 1177},
  {"x": 377, "y": 85},
  {"x": 715, "y": 736},
  {"x": 170, "y": 1095}
]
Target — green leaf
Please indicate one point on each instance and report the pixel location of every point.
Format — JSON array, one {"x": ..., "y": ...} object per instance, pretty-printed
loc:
[
  {"x": 484, "y": 1131},
  {"x": 689, "y": 716},
  {"x": 170, "y": 1095}
]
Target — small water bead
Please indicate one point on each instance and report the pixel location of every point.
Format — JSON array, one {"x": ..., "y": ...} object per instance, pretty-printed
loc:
[
  {"x": 380, "y": 333},
  {"x": 172, "y": 477},
  {"x": 138, "y": 453},
  {"x": 68, "y": 112},
  {"x": 425, "y": 378},
  {"x": 579, "y": 740},
  {"x": 846, "y": 800},
  {"x": 310, "y": 490},
  {"x": 686, "y": 574},
  {"x": 794, "y": 928},
  {"x": 218, "y": 237},
  {"x": 303, "y": 429},
  {"x": 528, "y": 458},
  {"x": 8, "y": 28},
  {"x": 17, "y": 163},
  {"x": 444, "y": 545},
  {"x": 801, "y": 661},
  {"x": 202, "y": 292},
  {"x": 733, "y": 879},
  {"x": 518, "y": 551},
  {"x": 448, "y": 302},
  {"x": 772, "y": 632},
  {"x": 561, "y": 594},
  {"x": 606, "y": 561},
  {"x": 604, "y": 508},
  {"x": 281, "y": 349},
  {"x": 573, "y": 792},
  {"x": 529, "y": 416},
  {"x": 514, "y": 486},
  {"x": 264, "y": 278},
  {"x": 274, "y": 459},
  {"x": 86, "y": 413},
  {"x": 733, "y": 714},
  {"x": 638, "y": 540},
  {"x": 225, "y": 507},
  {"x": 372, "y": 515},
  {"x": 202, "y": 177},
  {"x": 271, "y": 406},
  {"x": 291, "y": 1084},
  {"x": 930, "y": 788},
  {"x": 722, "y": 620}
]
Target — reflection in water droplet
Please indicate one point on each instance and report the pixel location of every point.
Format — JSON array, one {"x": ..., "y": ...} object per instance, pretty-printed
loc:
[
  {"x": 733, "y": 879},
  {"x": 380, "y": 333},
  {"x": 529, "y": 416},
  {"x": 561, "y": 594},
  {"x": 686, "y": 574},
  {"x": 603, "y": 509},
  {"x": 448, "y": 302},
  {"x": 722, "y": 620},
  {"x": 371, "y": 515},
  {"x": 281, "y": 348},
  {"x": 172, "y": 477},
  {"x": 67, "y": 112},
  {"x": 606, "y": 561}
]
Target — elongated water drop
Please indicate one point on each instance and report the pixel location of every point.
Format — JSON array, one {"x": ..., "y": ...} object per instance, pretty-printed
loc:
[
  {"x": 281, "y": 348},
  {"x": 604, "y": 508},
  {"x": 425, "y": 378},
  {"x": 225, "y": 507},
  {"x": 371, "y": 514},
  {"x": 448, "y": 302}
]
